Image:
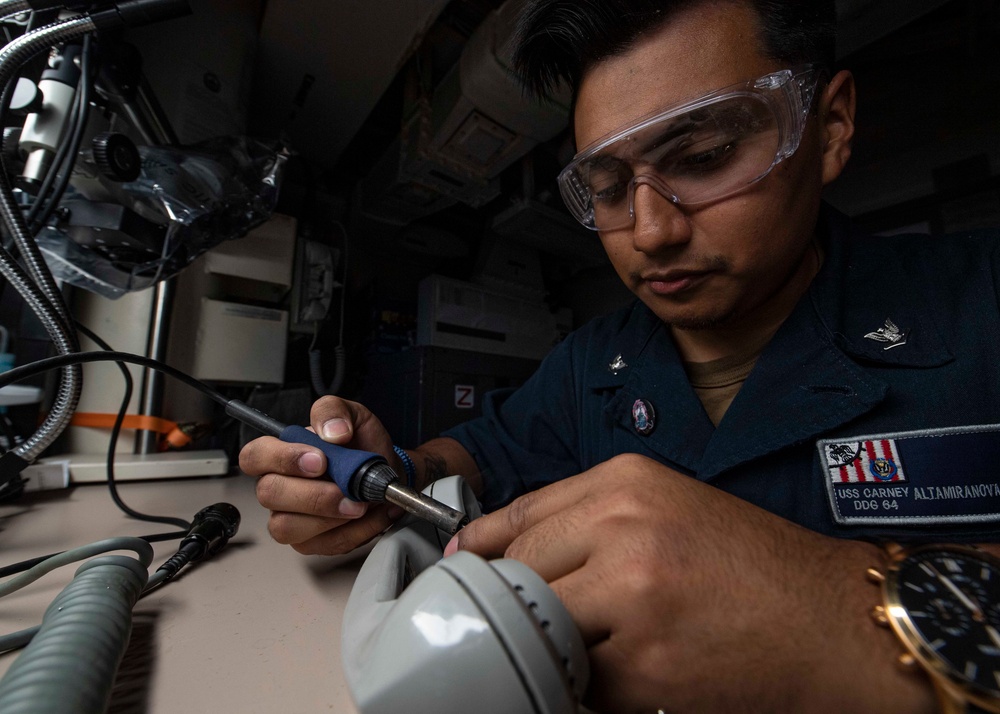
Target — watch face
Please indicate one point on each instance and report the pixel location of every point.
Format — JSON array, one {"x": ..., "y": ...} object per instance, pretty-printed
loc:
[{"x": 948, "y": 601}]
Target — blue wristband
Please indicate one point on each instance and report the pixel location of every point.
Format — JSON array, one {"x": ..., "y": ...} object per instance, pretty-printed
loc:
[{"x": 411, "y": 472}]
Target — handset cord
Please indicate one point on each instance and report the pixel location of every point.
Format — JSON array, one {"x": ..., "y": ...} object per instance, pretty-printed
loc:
[
  {"x": 40, "y": 678},
  {"x": 91, "y": 619}
]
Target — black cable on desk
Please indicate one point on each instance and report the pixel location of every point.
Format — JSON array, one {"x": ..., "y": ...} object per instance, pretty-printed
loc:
[
  {"x": 15, "y": 568},
  {"x": 115, "y": 431},
  {"x": 101, "y": 613}
]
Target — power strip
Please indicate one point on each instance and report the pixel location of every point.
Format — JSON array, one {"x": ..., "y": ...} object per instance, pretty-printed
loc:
[{"x": 61, "y": 471}]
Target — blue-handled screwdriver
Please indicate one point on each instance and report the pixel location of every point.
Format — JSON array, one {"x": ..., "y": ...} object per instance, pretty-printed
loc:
[{"x": 361, "y": 475}]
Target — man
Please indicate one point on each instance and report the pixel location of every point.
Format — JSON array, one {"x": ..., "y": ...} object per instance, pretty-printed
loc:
[{"x": 700, "y": 545}]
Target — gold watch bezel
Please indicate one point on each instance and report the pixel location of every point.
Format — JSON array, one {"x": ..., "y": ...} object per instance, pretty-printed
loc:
[{"x": 946, "y": 678}]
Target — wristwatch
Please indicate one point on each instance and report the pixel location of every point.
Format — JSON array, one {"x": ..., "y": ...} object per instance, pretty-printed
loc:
[{"x": 943, "y": 603}]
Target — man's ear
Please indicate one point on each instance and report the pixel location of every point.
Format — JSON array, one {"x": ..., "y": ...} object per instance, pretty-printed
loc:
[{"x": 836, "y": 116}]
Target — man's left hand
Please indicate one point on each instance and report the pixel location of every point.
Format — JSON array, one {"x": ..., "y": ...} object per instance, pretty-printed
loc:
[{"x": 690, "y": 599}]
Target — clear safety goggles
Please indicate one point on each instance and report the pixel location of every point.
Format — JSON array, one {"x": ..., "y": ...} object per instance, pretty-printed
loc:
[{"x": 699, "y": 151}]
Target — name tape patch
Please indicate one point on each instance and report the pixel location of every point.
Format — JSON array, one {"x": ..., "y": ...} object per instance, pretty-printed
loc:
[{"x": 934, "y": 476}]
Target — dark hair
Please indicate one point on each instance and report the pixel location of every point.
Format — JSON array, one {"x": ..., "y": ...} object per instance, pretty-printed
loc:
[{"x": 561, "y": 39}]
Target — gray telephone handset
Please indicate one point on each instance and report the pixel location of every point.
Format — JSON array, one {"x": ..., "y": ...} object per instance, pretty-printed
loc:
[{"x": 425, "y": 635}]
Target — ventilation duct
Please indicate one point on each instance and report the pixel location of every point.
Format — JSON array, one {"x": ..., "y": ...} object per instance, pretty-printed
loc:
[{"x": 455, "y": 143}]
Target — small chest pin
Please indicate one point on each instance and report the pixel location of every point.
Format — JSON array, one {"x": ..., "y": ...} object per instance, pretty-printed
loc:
[
  {"x": 890, "y": 334},
  {"x": 617, "y": 365},
  {"x": 643, "y": 417}
]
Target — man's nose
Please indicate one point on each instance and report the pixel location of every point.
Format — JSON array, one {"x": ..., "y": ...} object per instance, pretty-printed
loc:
[{"x": 659, "y": 222}]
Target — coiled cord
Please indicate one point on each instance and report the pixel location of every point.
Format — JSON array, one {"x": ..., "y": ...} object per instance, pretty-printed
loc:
[
  {"x": 71, "y": 662},
  {"x": 73, "y": 655}
]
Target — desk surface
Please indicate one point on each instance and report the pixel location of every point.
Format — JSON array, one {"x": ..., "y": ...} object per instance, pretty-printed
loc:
[{"x": 255, "y": 629}]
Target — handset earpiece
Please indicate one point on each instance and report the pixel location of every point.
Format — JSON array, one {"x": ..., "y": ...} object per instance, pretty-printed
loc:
[{"x": 424, "y": 634}]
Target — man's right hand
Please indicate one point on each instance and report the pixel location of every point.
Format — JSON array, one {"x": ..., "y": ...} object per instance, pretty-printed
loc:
[{"x": 308, "y": 510}]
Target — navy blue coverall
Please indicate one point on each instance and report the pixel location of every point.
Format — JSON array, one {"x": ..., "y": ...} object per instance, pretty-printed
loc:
[{"x": 820, "y": 377}]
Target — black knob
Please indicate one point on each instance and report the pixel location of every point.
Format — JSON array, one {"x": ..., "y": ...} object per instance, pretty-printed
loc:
[
  {"x": 10, "y": 144},
  {"x": 116, "y": 156},
  {"x": 26, "y": 99}
]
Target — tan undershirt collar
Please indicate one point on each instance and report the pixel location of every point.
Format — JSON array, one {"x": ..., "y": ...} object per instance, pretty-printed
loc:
[{"x": 718, "y": 381}]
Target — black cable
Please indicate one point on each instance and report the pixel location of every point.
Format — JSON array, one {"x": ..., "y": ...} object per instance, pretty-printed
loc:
[
  {"x": 233, "y": 407},
  {"x": 7, "y": 429},
  {"x": 49, "y": 363},
  {"x": 29, "y": 370},
  {"x": 16, "y": 568},
  {"x": 61, "y": 170},
  {"x": 6, "y": 96},
  {"x": 210, "y": 531},
  {"x": 36, "y": 284},
  {"x": 40, "y": 18},
  {"x": 115, "y": 431},
  {"x": 86, "y": 88},
  {"x": 33, "y": 260}
]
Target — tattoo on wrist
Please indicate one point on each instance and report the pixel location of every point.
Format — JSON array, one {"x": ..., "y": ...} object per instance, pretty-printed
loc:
[{"x": 435, "y": 467}]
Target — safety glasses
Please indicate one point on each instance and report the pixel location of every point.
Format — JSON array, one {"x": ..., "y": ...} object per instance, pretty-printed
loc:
[{"x": 700, "y": 151}]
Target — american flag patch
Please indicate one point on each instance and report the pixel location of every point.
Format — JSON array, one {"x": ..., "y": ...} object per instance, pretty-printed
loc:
[{"x": 864, "y": 462}]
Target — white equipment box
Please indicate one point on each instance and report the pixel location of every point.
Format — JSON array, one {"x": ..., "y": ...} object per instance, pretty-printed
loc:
[{"x": 465, "y": 316}]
